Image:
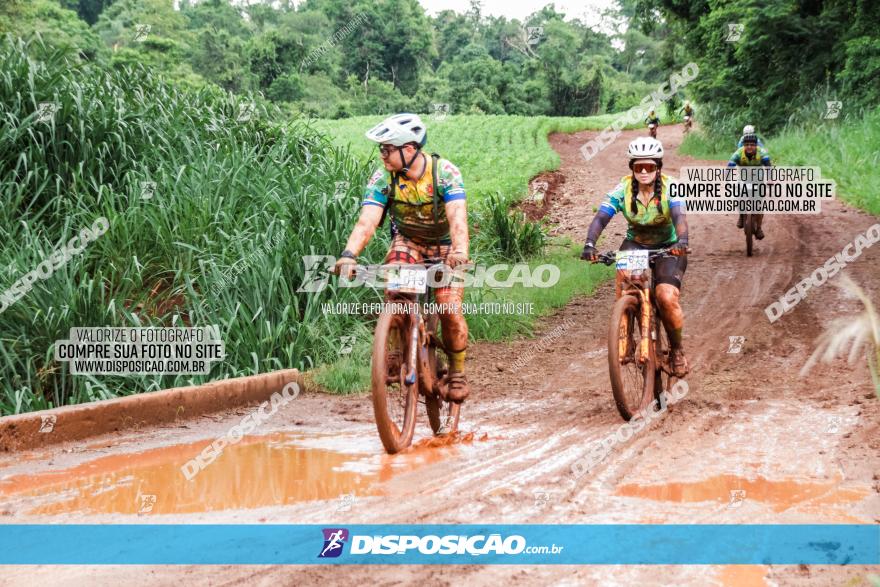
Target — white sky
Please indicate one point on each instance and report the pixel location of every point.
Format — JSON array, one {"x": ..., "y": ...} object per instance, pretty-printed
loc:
[{"x": 586, "y": 10}]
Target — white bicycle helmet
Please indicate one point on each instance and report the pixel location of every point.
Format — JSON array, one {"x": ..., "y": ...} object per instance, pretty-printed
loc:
[
  {"x": 645, "y": 148},
  {"x": 748, "y": 129},
  {"x": 400, "y": 129}
]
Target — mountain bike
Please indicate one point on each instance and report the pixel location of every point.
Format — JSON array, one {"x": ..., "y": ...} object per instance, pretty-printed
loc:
[
  {"x": 750, "y": 224},
  {"x": 638, "y": 347},
  {"x": 687, "y": 123},
  {"x": 409, "y": 360},
  {"x": 652, "y": 130}
]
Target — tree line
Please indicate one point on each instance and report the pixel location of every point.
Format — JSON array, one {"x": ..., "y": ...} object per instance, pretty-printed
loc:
[{"x": 339, "y": 58}]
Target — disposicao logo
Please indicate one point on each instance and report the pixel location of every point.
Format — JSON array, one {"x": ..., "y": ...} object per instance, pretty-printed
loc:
[{"x": 334, "y": 539}]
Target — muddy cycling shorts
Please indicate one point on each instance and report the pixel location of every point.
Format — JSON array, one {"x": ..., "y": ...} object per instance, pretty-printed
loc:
[
  {"x": 405, "y": 250},
  {"x": 667, "y": 269}
]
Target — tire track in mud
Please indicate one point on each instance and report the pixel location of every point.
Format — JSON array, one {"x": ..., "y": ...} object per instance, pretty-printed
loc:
[{"x": 746, "y": 415}]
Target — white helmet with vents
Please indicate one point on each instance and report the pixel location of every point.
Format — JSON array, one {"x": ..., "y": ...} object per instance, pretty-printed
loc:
[
  {"x": 399, "y": 130},
  {"x": 645, "y": 148},
  {"x": 748, "y": 129}
]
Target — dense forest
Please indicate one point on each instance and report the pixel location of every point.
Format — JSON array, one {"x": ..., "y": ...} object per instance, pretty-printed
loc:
[
  {"x": 776, "y": 63},
  {"x": 333, "y": 58},
  {"x": 771, "y": 61}
]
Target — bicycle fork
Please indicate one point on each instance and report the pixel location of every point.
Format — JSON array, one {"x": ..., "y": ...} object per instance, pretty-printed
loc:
[
  {"x": 413, "y": 351},
  {"x": 645, "y": 343}
]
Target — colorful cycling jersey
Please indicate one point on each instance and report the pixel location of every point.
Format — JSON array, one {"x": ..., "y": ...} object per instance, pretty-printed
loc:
[
  {"x": 762, "y": 157},
  {"x": 648, "y": 225},
  {"x": 655, "y": 120},
  {"x": 412, "y": 209}
]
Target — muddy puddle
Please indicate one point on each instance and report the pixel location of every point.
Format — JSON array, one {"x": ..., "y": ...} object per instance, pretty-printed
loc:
[
  {"x": 258, "y": 471},
  {"x": 733, "y": 490}
]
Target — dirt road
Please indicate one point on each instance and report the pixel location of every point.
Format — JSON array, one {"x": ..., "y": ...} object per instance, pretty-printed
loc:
[{"x": 750, "y": 443}]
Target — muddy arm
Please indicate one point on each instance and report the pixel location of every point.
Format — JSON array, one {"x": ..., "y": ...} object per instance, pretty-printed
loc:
[{"x": 600, "y": 221}]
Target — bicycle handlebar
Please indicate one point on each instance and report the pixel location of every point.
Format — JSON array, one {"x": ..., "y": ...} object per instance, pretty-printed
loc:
[
  {"x": 610, "y": 257},
  {"x": 427, "y": 263}
]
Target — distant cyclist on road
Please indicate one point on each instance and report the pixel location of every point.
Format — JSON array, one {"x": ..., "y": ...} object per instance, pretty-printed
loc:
[
  {"x": 653, "y": 122},
  {"x": 426, "y": 200},
  {"x": 750, "y": 155},
  {"x": 687, "y": 110},
  {"x": 655, "y": 222}
]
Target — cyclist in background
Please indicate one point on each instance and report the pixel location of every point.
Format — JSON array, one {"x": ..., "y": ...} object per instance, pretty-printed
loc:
[
  {"x": 750, "y": 155},
  {"x": 688, "y": 112},
  {"x": 653, "y": 121}
]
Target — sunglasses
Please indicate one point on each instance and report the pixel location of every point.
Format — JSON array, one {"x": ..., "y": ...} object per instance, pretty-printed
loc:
[
  {"x": 385, "y": 150},
  {"x": 645, "y": 167}
]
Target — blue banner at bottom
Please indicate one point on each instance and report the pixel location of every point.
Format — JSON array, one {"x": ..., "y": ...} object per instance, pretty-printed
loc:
[{"x": 441, "y": 544}]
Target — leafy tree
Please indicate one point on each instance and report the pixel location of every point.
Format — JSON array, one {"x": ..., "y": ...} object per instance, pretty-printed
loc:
[
  {"x": 787, "y": 52},
  {"x": 88, "y": 10},
  {"x": 58, "y": 27}
]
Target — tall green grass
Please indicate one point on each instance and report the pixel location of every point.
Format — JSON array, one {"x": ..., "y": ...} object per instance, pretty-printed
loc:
[{"x": 226, "y": 183}]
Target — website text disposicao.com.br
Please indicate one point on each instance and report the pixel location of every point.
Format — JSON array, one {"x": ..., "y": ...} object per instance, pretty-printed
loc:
[{"x": 477, "y": 545}]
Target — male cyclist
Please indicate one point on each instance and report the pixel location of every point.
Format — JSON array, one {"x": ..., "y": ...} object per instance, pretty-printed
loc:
[
  {"x": 749, "y": 130},
  {"x": 654, "y": 120},
  {"x": 423, "y": 224},
  {"x": 750, "y": 155},
  {"x": 655, "y": 222}
]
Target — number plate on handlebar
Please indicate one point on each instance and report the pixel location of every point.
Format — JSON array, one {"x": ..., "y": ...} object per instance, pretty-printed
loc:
[
  {"x": 632, "y": 260},
  {"x": 411, "y": 280}
]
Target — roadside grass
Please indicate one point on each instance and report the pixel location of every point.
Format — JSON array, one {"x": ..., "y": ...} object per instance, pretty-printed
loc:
[{"x": 236, "y": 202}]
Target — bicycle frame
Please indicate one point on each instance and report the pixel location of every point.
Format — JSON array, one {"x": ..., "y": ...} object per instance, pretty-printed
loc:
[
  {"x": 636, "y": 287},
  {"x": 419, "y": 337}
]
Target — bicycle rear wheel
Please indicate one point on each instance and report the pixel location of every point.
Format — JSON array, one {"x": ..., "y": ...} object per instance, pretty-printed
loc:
[
  {"x": 394, "y": 402},
  {"x": 631, "y": 383},
  {"x": 442, "y": 415},
  {"x": 749, "y": 228}
]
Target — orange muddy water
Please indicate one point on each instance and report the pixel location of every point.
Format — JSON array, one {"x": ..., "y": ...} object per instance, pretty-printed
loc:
[
  {"x": 780, "y": 495},
  {"x": 259, "y": 471}
]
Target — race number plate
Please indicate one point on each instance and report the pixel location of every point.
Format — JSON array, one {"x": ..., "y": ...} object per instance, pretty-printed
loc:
[
  {"x": 410, "y": 280},
  {"x": 632, "y": 260}
]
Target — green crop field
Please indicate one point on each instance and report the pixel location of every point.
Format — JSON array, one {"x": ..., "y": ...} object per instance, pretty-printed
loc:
[{"x": 496, "y": 154}]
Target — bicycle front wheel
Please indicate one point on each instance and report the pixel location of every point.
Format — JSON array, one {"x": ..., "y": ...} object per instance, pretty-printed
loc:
[
  {"x": 632, "y": 381},
  {"x": 394, "y": 401},
  {"x": 749, "y": 228}
]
